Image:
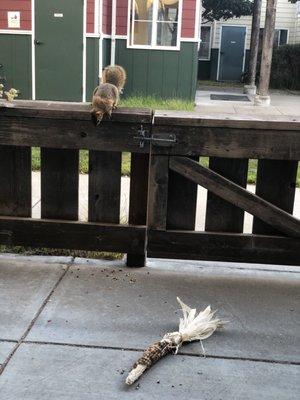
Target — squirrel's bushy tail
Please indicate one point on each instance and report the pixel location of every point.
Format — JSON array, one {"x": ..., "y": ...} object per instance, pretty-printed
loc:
[{"x": 114, "y": 74}]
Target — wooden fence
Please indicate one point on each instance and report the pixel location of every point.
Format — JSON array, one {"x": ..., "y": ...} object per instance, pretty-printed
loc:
[{"x": 163, "y": 191}]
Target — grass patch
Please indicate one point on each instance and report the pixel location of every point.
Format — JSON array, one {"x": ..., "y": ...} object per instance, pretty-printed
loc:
[
  {"x": 157, "y": 103},
  {"x": 252, "y": 170},
  {"x": 29, "y": 251},
  {"x": 83, "y": 161},
  {"x": 84, "y": 164},
  {"x": 220, "y": 84}
]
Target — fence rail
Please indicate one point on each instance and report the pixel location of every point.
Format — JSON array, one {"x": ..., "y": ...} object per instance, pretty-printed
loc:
[{"x": 165, "y": 174}]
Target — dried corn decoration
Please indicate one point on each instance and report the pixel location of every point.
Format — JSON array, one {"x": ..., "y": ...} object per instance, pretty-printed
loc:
[{"x": 191, "y": 327}]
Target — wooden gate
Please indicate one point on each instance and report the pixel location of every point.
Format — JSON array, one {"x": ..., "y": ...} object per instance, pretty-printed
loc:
[
  {"x": 60, "y": 130},
  {"x": 168, "y": 198},
  {"x": 175, "y": 173}
]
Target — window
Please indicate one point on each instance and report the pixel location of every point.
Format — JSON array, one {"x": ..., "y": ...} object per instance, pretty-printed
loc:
[
  {"x": 204, "y": 50},
  {"x": 280, "y": 37},
  {"x": 154, "y": 23}
]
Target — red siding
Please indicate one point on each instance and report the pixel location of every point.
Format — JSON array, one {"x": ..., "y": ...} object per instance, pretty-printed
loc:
[
  {"x": 24, "y": 6},
  {"x": 122, "y": 10},
  {"x": 188, "y": 18},
  {"x": 106, "y": 16},
  {"x": 90, "y": 16}
]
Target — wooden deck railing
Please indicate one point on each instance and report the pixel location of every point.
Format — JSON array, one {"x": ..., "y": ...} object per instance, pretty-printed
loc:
[{"x": 173, "y": 141}]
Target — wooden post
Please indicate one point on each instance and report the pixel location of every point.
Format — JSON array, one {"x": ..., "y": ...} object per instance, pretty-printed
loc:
[
  {"x": 250, "y": 88},
  {"x": 263, "y": 98}
]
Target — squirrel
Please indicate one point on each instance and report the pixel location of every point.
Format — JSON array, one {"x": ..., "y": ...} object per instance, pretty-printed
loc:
[{"x": 106, "y": 95}]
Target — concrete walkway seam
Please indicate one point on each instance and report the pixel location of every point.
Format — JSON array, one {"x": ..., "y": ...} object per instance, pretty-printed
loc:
[
  {"x": 25, "y": 334},
  {"x": 181, "y": 353}
]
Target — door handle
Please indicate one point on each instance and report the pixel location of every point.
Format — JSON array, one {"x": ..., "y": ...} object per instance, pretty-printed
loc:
[{"x": 37, "y": 42}]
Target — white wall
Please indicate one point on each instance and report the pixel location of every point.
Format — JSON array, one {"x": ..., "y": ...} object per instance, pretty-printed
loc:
[{"x": 286, "y": 18}]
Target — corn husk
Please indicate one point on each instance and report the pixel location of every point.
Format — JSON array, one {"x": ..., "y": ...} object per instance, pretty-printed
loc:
[{"x": 191, "y": 327}]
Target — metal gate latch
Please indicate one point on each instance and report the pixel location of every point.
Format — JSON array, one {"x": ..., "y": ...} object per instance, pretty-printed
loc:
[{"x": 161, "y": 140}]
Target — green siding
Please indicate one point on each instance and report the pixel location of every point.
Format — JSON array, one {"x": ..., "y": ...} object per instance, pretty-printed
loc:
[
  {"x": 15, "y": 58},
  {"x": 92, "y": 66},
  {"x": 160, "y": 73},
  {"x": 106, "y": 52}
]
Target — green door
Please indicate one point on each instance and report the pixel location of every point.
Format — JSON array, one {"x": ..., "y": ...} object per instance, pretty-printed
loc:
[{"x": 58, "y": 49}]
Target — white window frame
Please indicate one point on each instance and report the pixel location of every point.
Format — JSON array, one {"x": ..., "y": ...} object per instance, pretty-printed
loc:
[
  {"x": 210, "y": 41},
  {"x": 287, "y": 36},
  {"x": 153, "y": 46}
]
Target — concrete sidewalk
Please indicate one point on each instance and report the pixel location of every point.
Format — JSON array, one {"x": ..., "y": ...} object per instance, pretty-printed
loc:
[
  {"x": 124, "y": 203},
  {"x": 281, "y": 103},
  {"x": 71, "y": 329}
]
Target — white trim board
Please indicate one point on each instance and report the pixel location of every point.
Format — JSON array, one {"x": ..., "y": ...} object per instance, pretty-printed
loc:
[
  {"x": 96, "y": 16},
  {"x": 92, "y": 35},
  {"x": 100, "y": 44},
  {"x": 194, "y": 40},
  {"x": 198, "y": 19},
  {"x": 33, "y": 85},
  {"x": 181, "y": 39},
  {"x": 84, "y": 52},
  {"x": 12, "y": 32}
]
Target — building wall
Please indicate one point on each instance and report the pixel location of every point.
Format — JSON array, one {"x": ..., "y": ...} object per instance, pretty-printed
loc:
[
  {"x": 165, "y": 73},
  {"x": 92, "y": 66},
  {"x": 285, "y": 19},
  {"x": 15, "y": 58},
  {"x": 24, "y": 6},
  {"x": 158, "y": 72},
  {"x": 106, "y": 25},
  {"x": 170, "y": 72},
  {"x": 297, "y": 35},
  {"x": 189, "y": 8},
  {"x": 90, "y": 12},
  {"x": 122, "y": 13},
  {"x": 188, "y": 18}
]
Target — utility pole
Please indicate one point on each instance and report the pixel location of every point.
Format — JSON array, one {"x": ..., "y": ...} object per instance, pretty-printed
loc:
[
  {"x": 250, "y": 88},
  {"x": 263, "y": 98}
]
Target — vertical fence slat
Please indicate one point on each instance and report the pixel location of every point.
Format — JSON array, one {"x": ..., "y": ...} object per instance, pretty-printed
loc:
[
  {"x": 158, "y": 192},
  {"x": 104, "y": 186},
  {"x": 138, "y": 200},
  {"x": 59, "y": 183},
  {"x": 182, "y": 202},
  {"x": 276, "y": 183},
  {"x": 15, "y": 181},
  {"x": 221, "y": 216}
]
